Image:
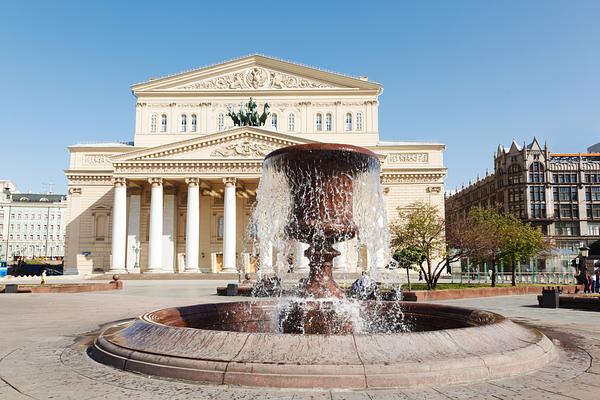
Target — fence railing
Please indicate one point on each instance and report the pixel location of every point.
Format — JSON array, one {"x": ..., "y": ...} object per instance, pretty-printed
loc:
[{"x": 548, "y": 278}]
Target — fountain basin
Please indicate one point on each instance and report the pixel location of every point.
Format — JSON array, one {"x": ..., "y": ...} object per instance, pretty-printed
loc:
[{"x": 235, "y": 343}]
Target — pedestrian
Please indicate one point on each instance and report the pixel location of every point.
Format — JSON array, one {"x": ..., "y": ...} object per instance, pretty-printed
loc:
[
  {"x": 587, "y": 282},
  {"x": 596, "y": 282},
  {"x": 420, "y": 275}
]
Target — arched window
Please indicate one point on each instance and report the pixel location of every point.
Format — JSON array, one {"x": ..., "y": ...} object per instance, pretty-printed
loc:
[
  {"x": 153, "y": 121},
  {"x": 536, "y": 172},
  {"x": 292, "y": 122},
  {"x": 163, "y": 123},
  {"x": 328, "y": 122},
  {"x": 194, "y": 123},
  {"x": 183, "y": 126},
  {"x": 319, "y": 122},
  {"x": 274, "y": 121},
  {"x": 359, "y": 121},
  {"x": 348, "y": 121},
  {"x": 221, "y": 122}
]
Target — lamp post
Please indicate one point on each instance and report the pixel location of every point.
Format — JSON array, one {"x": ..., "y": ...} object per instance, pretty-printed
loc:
[{"x": 583, "y": 255}]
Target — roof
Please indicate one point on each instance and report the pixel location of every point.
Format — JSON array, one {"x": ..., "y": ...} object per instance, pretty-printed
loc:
[
  {"x": 254, "y": 55},
  {"x": 37, "y": 198}
]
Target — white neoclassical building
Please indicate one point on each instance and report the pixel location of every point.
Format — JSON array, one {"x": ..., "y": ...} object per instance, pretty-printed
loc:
[{"x": 179, "y": 197}]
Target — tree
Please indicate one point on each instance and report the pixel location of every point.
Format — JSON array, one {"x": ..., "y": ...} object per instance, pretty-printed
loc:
[
  {"x": 519, "y": 241},
  {"x": 421, "y": 227},
  {"x": 496, "y": 237},
  {"x": 407, "y": 257}
]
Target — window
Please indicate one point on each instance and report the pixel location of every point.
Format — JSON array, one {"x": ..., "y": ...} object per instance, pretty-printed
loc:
[
  {"x": 163, "y": 123},
  {"x": 592, "y": 193},
  {"x": 536, "y": 172},
  {"x": 566, "y": 211},
  {"x": 221, "y": 122},
  {"x": 359, "y": 121},
  {"x": 153, "y": 120},
  {"x": 194, "y": 123},
  {"x": 328, "y": 122},
  {"x": 592, "y": 178},
  {"x": 565, "y": 193},
  {"x": 319, "y": 122},
  {"x": 537, "y": 196},
  {"x": 593, "y": 211},
  {"x": 274, "y": 121},
  {"x": 348, "y": 122},
  {"x": 564, "y": 178},
  {"x": 183, "y": 126},
  {"x": 515, "y": 174},
  {"x": 292, "y": 122},
  {"x": 593, "y": 229},
  {"x": 220, "y": 227},
  {"x": 567, "y": 228}
]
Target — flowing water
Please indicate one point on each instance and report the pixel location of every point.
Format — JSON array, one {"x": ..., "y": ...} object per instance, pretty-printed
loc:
[{"x": 274, "y": 231}]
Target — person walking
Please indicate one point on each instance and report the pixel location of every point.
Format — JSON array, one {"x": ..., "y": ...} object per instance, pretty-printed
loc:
[{"x": 596, "y": 282}]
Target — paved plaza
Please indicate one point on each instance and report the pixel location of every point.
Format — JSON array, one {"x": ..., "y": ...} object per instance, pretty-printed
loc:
[{"x": 44, "y": 337}]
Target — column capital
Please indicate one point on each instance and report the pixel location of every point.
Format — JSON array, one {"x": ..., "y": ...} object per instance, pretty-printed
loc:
[
  {"x": 229, "y": 181},
  {"x": 119, "y": 182},
  {"x": 192, "y": 182},
  {"x": 155, "y": 182}
]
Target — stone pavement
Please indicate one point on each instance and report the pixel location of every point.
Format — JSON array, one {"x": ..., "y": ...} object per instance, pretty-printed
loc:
[{"x": 43, "y": 339}]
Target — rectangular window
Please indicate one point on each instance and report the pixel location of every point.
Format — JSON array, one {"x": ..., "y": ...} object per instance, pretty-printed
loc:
[
  {"x": 567, "y": 228},
  {"x": 594, "y": 229},
  {"x": 593, "y": 211},
  {"x": 592, "y": 193}
]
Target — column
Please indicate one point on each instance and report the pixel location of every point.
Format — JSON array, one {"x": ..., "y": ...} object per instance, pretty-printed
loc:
[
  {"x": 340, "y": 263},
  {"x": 266, "y": 257},
  {"x": 119, "y": 226},
  {"x": 192, "y": 226},
  {"x": 156, "y": 222},
  {"x": 300, "y": 260},
  {"x": 133, "y": 230},
  {"x": 229, "y": 226}
]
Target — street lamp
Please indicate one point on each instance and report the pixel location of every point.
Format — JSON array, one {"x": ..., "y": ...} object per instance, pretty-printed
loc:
[{"x": 584, "y": 251}]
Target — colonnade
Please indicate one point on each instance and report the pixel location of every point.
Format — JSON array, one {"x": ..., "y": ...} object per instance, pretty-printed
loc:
[
  {"x": 161, "y": 251},
  {"x": 162, "y": 207}
]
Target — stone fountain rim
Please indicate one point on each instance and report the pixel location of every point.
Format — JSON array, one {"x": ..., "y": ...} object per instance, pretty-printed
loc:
[
  {"x": 370, "y": 361},
  {"x": 309, "y": 147}
]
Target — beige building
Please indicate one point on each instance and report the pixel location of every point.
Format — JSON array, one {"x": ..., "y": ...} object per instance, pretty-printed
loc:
[{"x": 178, "y": 199}]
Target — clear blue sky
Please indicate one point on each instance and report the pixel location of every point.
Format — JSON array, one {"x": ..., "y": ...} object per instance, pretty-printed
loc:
[{"x": 471, "y": 74}]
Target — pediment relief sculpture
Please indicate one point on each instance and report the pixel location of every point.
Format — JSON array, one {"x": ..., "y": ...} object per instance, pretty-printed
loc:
[
  {"x": 244, "y": 148},
  {"x": 257, "y": 78}
]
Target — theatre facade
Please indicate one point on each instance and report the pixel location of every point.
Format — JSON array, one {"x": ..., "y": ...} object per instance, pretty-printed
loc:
[{"x": 179, "y": 197}]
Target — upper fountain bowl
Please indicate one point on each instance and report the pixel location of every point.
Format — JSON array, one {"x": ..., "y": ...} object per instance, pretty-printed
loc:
[{"x": 321, "y": 178}]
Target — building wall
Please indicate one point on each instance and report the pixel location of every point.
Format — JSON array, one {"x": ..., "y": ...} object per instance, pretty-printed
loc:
[
  {"x": 411, "y": 171},
  {"x": 548, "y": 190}
]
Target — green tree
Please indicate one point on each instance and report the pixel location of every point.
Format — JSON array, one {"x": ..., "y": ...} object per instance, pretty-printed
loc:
[
  {"x": 501, "y": 238},
  {"x": 407, "y": 257},
  {"x": 421, "y": 227}
]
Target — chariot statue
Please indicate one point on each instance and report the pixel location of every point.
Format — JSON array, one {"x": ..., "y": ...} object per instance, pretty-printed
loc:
[{"x": 248, "y": 114}]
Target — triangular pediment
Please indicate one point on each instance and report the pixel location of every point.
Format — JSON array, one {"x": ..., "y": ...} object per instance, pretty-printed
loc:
[
  {"x": 240, "y": 143},
  {"x": 255, "y": 73}
]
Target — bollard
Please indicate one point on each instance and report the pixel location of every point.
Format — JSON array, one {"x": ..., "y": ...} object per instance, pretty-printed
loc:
[
  {"x": 550, "y": 297},
  {"x": 11, "y": 288},
  {"x": 232, "y": 289}
]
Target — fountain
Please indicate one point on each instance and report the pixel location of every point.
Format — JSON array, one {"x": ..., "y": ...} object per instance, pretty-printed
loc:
[{"x": 322, "y": 194}]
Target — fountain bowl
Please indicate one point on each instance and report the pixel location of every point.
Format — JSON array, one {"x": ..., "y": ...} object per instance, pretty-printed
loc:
[{"x": 238, "y": 344}]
